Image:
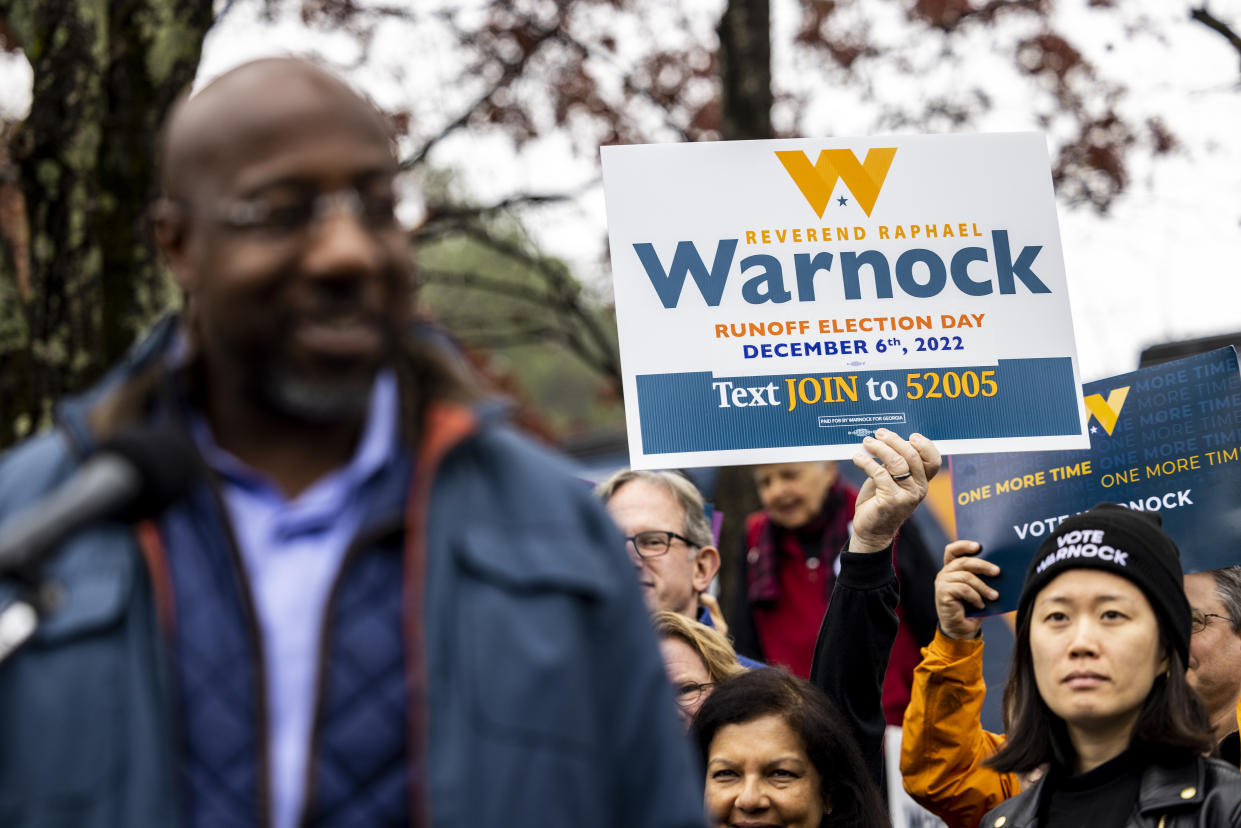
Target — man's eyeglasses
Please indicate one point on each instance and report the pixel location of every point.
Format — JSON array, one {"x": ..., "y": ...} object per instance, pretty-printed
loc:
[
  {"x": 654, "y": 543},
  {"x": 691, "y": 692},
  {"x": 1198, "y": 620},
  {"x": 286, "y": 215}
]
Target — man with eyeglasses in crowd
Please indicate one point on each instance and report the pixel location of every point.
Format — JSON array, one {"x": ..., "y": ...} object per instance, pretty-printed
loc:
[
  {"x": 855, "y": 631},
  {"x": 379, "y": 606},
  {"x": 669, "y": 540},
  {"x": 1215, "y": 652}
]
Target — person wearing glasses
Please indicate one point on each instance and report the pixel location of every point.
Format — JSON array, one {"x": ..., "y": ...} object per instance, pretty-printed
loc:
[
  {"x": 781, "y": 751},
  {"x": 379, "y": 605},
  {"x": 698, "y": 659},
  {"x": 1215, "y": 652},
  {"x": 856, "y": 630},
  {"x": 668, "y": 538}
]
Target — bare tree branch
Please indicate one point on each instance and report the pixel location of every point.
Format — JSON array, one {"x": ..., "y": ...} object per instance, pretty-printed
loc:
[
  {"x": 470, "y": 328},
  {"x": 592, "y": 344},
  {"x": 442, "y": 218},
  {"x": 571, "y": 294},
  {"x": 510, "y": 73},
  {"x": 1215, "y": 24},
  {"x": 500, "y": 287},
  {"x": 632, "y": 88},
  {"x": 497, "y": 341}
]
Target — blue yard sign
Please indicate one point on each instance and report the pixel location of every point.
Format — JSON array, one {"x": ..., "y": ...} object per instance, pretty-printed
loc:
[{"x": 1162, "y": 439}]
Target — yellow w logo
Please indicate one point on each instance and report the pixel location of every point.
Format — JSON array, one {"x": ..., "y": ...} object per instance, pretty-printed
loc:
[
  {"x": 1107, "y": 412},
  {"x": 817, "y": 182}
]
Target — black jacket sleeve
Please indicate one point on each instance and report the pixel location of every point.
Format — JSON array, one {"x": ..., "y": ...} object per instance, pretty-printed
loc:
[
  {"x": 740, "y": 615},
  {"x": 917, "y": 567},
  {"x": 851, "y": 654}
]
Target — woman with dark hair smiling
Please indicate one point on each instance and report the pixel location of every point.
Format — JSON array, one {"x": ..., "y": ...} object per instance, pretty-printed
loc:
[
  {"x": 1097, "y": 687},
  {"x": 778, "y": 754}
]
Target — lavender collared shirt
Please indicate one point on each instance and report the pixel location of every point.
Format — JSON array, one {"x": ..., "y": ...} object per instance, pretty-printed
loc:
[{"x": 292, "y": 551}]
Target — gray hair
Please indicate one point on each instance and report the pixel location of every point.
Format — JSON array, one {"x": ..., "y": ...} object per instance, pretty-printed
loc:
[
  {"x": 1228, "y": 588},
  {"x": 696, "y": 527}
]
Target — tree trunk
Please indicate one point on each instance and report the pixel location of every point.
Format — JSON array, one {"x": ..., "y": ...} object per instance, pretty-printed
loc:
[
  {"x": 746, "y": 98},
  {"x": 745, "y": 70},
  {"x": 105, "y": 74}
]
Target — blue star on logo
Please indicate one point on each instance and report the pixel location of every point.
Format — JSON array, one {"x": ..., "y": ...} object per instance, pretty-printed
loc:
[{"x": 842, "y": 201}]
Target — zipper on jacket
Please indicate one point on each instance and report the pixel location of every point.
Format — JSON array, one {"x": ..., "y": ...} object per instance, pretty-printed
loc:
[
  {"x": 250, "y": 622},
  {"x": 427, "y": 460},
  {"x": 168, "y": 648}
]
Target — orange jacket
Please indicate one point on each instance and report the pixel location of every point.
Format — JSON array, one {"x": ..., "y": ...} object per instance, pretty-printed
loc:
[{"x": 943, "y": 744}]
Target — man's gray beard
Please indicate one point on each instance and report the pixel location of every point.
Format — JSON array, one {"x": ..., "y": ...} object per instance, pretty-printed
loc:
[{"x": 320, "y": 403}]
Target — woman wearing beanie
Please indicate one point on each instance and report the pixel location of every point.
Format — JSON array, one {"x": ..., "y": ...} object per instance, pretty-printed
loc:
[{"x": 1097, "y": 688}]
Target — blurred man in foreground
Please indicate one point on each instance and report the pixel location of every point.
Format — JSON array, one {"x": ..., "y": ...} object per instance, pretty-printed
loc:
[{"x": 379, "y": 606}]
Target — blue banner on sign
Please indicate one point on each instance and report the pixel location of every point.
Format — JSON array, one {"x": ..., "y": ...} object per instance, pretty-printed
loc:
[
  {"x": 1162, "y": 439},
  {"x": 697, "y": 411}
]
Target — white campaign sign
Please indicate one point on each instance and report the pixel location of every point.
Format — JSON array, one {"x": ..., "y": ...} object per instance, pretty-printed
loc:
[{"x": 778, "y": 300}]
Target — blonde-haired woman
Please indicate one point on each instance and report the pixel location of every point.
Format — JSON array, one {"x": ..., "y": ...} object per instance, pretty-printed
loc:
[{"x": 697, "y": 659}]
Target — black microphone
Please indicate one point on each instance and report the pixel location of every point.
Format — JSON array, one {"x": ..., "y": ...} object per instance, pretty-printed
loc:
[{"x": 133, "y": 476}]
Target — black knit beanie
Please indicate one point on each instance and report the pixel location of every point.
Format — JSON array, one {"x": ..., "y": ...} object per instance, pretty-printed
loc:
[{"x": 1127, "y": 543}]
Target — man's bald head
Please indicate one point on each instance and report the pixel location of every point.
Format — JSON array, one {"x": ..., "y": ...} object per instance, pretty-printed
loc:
[
  {"x": 242, "y": 109},
  {"x": 279, "y": 225}
]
